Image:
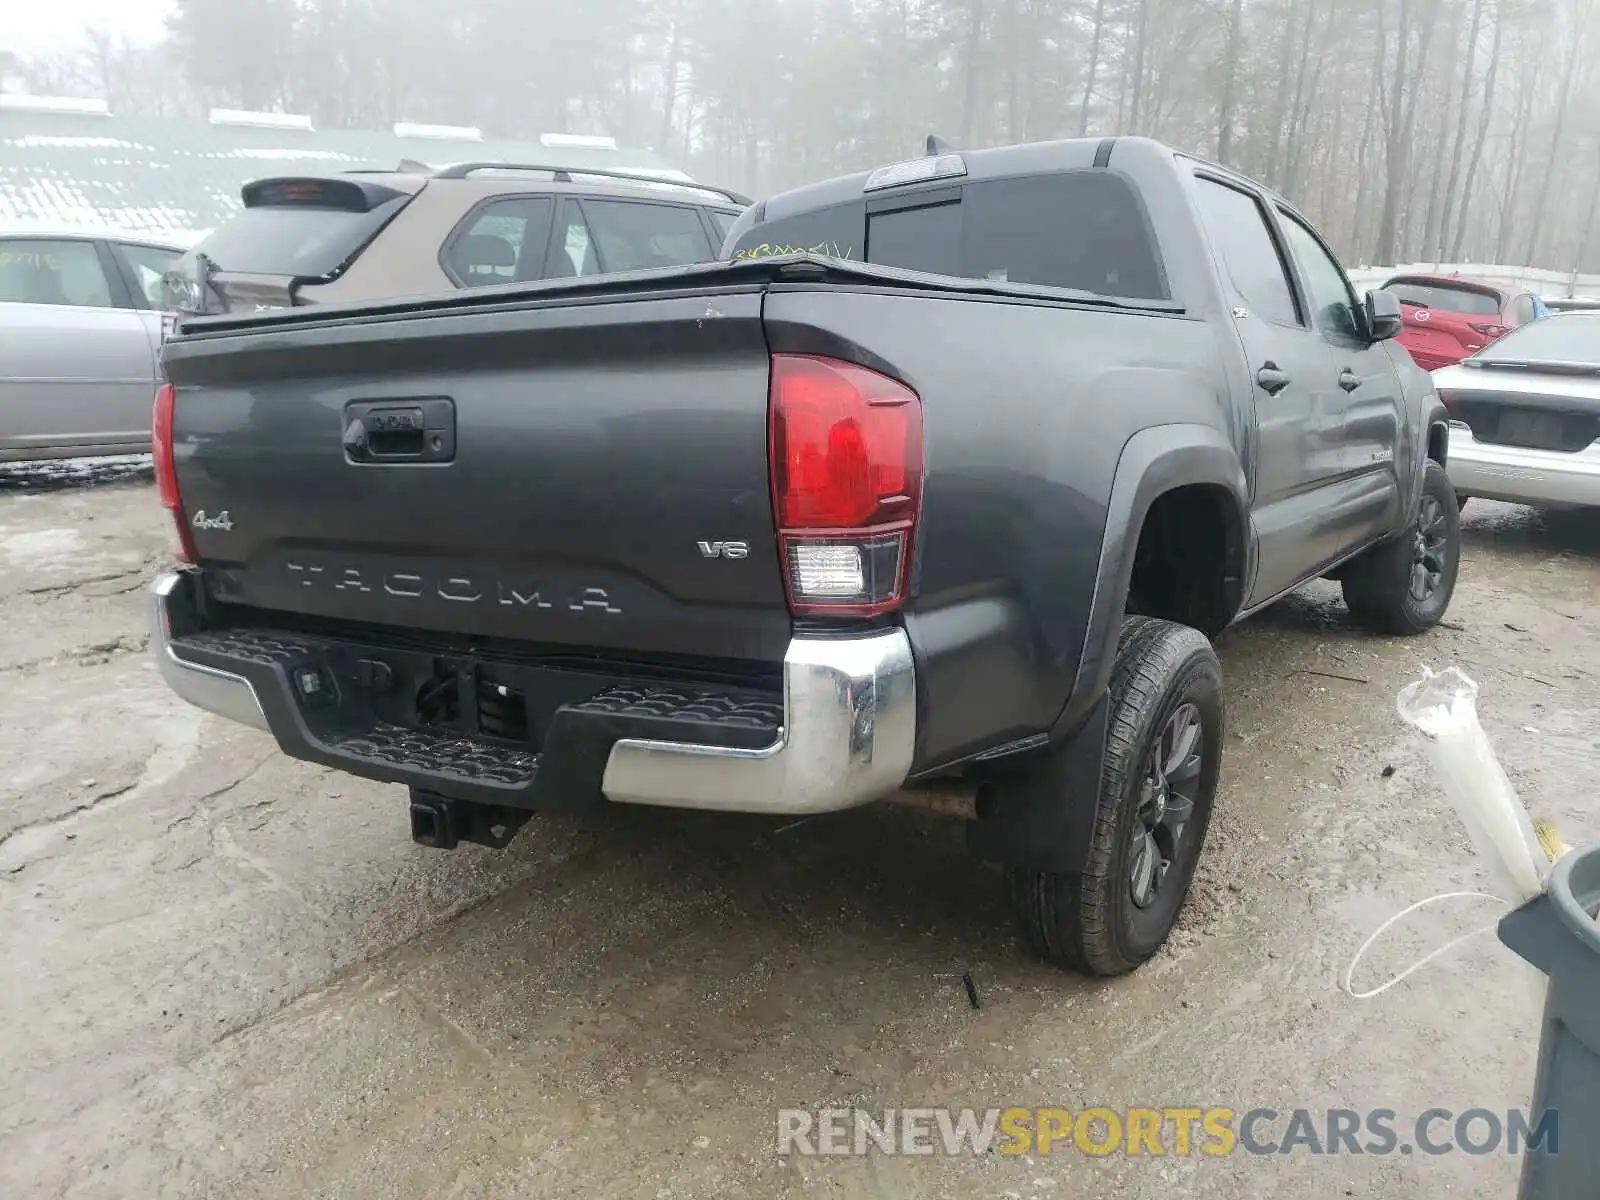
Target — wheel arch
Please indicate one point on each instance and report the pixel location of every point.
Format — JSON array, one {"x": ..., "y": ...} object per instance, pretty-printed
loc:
[{"x": 1165, "y": 461}]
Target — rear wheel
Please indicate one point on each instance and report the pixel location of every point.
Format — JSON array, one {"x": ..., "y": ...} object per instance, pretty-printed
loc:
[
  {"x": 1163, "y": 752},
  {"x": 1404, "y": 585}
]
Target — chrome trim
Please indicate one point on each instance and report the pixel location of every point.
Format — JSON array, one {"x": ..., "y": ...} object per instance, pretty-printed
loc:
[
  {"x": 222, "y": 692},
  {"x": 850, "y": 723}
]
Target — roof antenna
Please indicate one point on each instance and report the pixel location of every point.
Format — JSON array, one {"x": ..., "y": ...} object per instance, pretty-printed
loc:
[{"x": 937, "y": 145}]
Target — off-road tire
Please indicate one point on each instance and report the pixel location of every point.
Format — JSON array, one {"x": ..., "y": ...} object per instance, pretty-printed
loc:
[
  {"x": 1089, "y": 922},
  {"x": 1378, "y": 585}
]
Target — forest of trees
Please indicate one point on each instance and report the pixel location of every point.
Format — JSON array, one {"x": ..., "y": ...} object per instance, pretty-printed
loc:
[{"x": 1411, "y": 130}]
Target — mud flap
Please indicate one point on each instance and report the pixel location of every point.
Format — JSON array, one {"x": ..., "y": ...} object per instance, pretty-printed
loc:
[{"x": 1038, "y": 813}]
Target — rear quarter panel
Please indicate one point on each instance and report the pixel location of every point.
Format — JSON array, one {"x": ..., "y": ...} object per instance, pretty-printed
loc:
[{"x": 1027, "y": 409}]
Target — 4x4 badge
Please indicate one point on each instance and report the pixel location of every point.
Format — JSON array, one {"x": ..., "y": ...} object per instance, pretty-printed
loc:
[{"x": 221, "y": 521}]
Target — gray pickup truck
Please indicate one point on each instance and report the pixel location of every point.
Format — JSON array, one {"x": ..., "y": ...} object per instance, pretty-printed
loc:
[{"x": 932, "y": 490}]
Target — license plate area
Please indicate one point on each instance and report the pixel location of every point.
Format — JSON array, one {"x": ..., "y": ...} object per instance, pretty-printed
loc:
[{"x": 1530, "y": 429}]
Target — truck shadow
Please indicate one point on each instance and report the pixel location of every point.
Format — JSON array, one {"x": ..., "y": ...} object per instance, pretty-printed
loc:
[{"x": 1518, "y": 530}]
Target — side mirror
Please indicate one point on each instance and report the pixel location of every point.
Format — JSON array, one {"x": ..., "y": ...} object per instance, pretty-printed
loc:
[{"x": 1383, "y": 316}]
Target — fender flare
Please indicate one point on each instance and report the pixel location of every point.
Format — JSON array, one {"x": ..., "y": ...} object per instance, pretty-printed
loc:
[
  {"x": 1046, "y": 821},
  {"x": 1153, "y": 461}
]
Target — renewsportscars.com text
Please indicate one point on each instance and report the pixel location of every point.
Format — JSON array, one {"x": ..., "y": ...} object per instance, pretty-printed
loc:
[{"x": 1160, "y": 1131}]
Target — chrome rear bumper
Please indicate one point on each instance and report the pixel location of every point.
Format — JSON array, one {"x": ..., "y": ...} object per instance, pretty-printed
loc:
[
  {"x": 205, "y": 687},
  {"x": 848, "y": 733}
]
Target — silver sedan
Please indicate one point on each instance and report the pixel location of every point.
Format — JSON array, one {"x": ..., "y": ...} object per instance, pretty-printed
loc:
[
  {"x": 80, "y": 341},
  {"x": 1525, "y": 415}
]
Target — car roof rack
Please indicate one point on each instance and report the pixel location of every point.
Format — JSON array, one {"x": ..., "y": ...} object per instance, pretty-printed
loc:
[{"x": 565, "y": 174}]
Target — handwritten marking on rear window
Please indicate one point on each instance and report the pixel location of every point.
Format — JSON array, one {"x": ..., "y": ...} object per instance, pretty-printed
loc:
[{"x": 778, "y": 250}]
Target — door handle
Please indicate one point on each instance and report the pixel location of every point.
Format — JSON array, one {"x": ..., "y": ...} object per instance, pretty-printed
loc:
[
  {"x": 1270, "y": 379},
  {"x": 1349, "y": 380}
]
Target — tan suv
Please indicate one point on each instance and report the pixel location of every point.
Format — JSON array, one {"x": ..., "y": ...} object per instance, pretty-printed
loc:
[{"x": 372, "y": 235}]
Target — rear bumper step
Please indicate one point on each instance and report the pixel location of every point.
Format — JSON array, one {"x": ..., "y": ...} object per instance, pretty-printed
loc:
[{"x": 841, "y": 734}]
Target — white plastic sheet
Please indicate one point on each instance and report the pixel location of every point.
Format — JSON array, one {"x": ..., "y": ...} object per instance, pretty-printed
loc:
[{"x": 1444, "y": 707}]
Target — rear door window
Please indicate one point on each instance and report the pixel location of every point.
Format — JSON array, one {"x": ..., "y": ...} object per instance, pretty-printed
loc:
[
  {"x": 1079, "y": 229},
  {"x": 41, "y": 271},
  {"x": 1441, "y": 295},
  {"x": 1238, "y": 229},
  {"x": 502, "y": 242},
  {"x": 631, "y": 235}
]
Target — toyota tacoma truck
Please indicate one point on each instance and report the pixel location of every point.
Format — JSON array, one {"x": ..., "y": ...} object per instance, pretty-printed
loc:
[{"x": 933, "y": 488}]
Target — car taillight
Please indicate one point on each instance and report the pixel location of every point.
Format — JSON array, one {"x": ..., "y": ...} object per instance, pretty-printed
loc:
[
  {"x": 167, "y": 472},
  {"x": 846, "y": 465},
  {"x": 1491, "y": 331}
]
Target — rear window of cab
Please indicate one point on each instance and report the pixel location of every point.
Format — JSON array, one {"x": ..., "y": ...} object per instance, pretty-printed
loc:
[{"x": 1081, "y": 230}]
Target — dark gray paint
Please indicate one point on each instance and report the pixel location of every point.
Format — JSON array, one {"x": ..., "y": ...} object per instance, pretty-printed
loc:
[{"x": 607, "y": 425}]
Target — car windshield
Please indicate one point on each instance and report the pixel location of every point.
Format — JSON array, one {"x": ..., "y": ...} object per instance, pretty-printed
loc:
[
  {"x": 1445, "y": 296},
  {"x": 1562, "y": 338}
]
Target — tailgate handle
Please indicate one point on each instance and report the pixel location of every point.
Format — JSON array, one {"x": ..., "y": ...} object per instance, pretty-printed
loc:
[{"x": 417, "y": 431}]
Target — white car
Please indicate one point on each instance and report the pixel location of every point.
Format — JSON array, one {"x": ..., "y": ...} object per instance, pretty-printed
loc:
[
  {"x": 1525, "y": 415},
  {"x": 80, "y": 341}
]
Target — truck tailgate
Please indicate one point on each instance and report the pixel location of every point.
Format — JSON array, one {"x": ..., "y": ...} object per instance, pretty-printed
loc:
[{"x": 590, "y": 474}]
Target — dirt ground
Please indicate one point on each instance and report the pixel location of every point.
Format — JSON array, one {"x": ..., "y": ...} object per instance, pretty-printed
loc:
[{"x": 225, "y": 973}]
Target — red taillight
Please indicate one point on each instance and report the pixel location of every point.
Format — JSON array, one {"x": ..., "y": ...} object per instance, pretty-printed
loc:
[
  {"x": 166, "y": 470},
  {"x": 1491, "y": 331},
  {"x": 846, "y": 463}
]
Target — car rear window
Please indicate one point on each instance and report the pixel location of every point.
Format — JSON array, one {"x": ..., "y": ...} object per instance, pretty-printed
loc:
[
  {"x": 1442, "y": 295},
  {"x": 1560, "y": 338},
  {"x": 1083, "y": 230},
  {"x": 299, "y": 240}
]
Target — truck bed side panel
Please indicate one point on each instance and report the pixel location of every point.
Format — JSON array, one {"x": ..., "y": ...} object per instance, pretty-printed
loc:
[{"x": 1027, "y": 407}]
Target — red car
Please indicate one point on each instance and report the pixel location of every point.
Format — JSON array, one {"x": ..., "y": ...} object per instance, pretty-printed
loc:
[{"x": 1447, "y": 317}]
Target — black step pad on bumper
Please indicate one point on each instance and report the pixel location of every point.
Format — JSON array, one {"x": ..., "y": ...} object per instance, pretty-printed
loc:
[{"x": 350, "y": 706}]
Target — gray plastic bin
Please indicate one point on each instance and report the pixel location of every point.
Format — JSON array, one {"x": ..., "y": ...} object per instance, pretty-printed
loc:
[{"x": 1558, "y": 934}]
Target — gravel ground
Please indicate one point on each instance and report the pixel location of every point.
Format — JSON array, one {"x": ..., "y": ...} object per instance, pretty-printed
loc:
[{"x": 231, "y": 974}]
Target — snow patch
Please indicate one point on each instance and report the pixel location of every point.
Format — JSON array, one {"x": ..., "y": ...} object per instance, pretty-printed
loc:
[{"x": 42, "y": 546}]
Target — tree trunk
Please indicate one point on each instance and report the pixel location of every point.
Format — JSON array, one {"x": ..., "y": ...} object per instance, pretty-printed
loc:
[
  {"x": 1463, "y": 107},
  {"x": 1280, "y": 110},
  {"x": 1385, "y": 250},
  {"x": 969, "y": 89},
  {"x": 1458, "y": 239},
  {"x": 1519, "y": 155},
  {"x": 1435, "y": 180},
  {"x": 1363, "y": 150},
  {"x": 1300, "y": 110},
  {"x": 1576, "y": 34},
  {"x": 1588, "y": 228},
  {"x": 669, "y": 72},
  {"x": 1230, "y": 74},
  {"x": 1094, "y": 65},
  {"x": 1138, "y": 67}
]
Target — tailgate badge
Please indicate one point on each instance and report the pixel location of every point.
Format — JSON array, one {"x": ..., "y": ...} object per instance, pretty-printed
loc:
[
  {"x": 221, "y": 521},
  {"x": 725, "y": 549}
]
